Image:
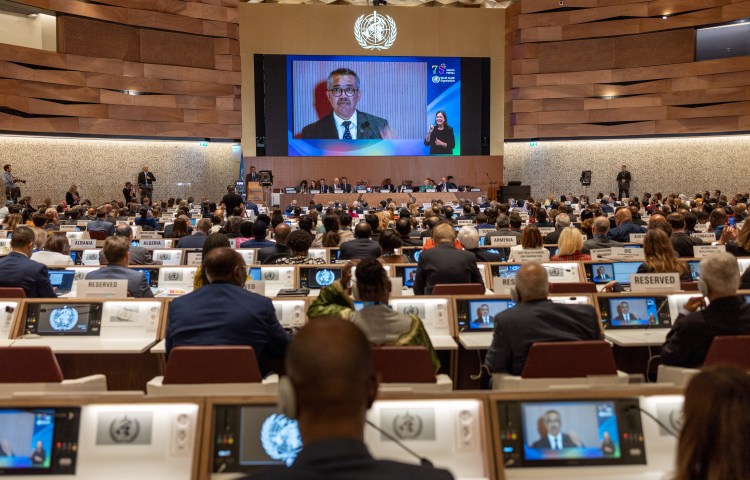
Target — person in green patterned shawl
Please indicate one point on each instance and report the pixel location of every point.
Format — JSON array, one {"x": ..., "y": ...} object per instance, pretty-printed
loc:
[{"x": 381, "y": 324}]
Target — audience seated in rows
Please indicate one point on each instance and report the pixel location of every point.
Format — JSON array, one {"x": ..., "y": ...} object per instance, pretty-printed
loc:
[
  {"x": 118, "y": 257},
  {"x": 299, "y": 242},
  {"x": 445, "y": 264},
  {"x": 362, "y": 246},
  {"x": 56, "y": 252},
  {"x": 18, "y": 270}
]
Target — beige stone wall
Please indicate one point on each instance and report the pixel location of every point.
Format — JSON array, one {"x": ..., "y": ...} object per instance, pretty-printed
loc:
[
  {"x": 100, "y": 168},
  {"x": 683, "y": 164}
]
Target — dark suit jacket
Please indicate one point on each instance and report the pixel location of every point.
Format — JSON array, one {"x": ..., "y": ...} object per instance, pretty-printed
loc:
[
  {"x": 411, "y": 241},
  {"x": 516, "y": 329},
  {"x": 484, "y": 255},
  {"x": 231, "y": 201},
  {"x": 269, "y": 255},
  {"x": 623, "y": 231},
  {"x": 252, "y": 177},
  {"x": 691, "y": 335},
  {"x": 326, "y": 127},
  {"x": 196, "y": 240},
  {"x": 137, "y": 257},
  {"x": 138, "y": 287},
  {"x": 543, "y": 442},
  {"x": 359, "y": 248},
  {"x": 553, "y": 237},
  {"x": 445, "y": 264},
  {"x": 598, "y": 242},
  {"x": 143, "y": 178},
  {"x": 225, "y": 314},
  {"x": 17, "y": 270},
  {"x": 683, "y": 244},
  {"x": 345, "y": 459}
]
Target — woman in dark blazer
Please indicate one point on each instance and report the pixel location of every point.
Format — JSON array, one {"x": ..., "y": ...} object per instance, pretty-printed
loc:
[{"x": 440, "y": 138}]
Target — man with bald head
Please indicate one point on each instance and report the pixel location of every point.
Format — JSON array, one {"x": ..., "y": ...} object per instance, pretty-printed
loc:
[
  {"x": 600, "y": 240},
  {"x": 224, "y": 313},
  {"x": 625, "y": 226},
  {"x": 269, "y": 255},
  {"x": 332, "y": 385},
  {"x": 536, "y": 319},
  {"x": 444, "y": 263}
]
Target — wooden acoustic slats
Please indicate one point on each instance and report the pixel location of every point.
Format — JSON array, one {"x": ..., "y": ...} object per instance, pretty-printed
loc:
[
  {"x": 611, "y": 68},
  {"x": 145, "y": 68}
]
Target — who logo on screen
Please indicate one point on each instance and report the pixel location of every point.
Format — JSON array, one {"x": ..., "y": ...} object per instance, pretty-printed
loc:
[{"x": 375, "y": 32}]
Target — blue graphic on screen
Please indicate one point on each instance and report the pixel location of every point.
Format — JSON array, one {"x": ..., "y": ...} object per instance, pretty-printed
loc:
[
  {"x": 482, "y": 313},
  {"x": 633, "y": 312},
  {"x": 570, "y": 430},
  {"x": 410, "y": 273},
  {"x": 255, "y": 274},
  {"x": 26, "y": 438},
  {"x": 280, "y": 438},
  {"x": 505, "y": 271},
  {"x": 397, "y": 101},
  {"x": 323, "y": 277}
]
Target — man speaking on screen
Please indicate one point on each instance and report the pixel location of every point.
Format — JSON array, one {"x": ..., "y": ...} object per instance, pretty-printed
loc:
[{"x": 346, "y": 122}]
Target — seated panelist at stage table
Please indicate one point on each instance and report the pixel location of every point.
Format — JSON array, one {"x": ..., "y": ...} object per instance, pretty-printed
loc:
[
  {"x": 536, "y": 319},
  {"x": 444, "y": 263},
  {"x": 224, "y": 313},
  {"x": 116, "y": 251},
  {"x": 346, "y": 122},
  {"x": 17, "y": 270}
]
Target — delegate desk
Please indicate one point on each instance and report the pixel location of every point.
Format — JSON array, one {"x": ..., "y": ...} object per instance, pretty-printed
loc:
[
  {"x": 91, "y": 336},
  {"x": 448, "y": 429},
  {"x": 8, "y": 314},
  {"x": 117, "y": 438},
  {"x": 609, "y": 436}
]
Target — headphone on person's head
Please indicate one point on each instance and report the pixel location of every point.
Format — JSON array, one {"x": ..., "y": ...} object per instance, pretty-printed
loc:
[{"x": 286, "y": 401}]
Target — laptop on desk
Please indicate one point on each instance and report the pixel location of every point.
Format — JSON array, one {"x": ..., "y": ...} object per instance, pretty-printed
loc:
[{"x": 62, "y": 281}]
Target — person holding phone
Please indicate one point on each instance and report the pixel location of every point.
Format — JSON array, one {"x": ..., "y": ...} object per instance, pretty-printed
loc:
[{"x": 440, "y": 137}]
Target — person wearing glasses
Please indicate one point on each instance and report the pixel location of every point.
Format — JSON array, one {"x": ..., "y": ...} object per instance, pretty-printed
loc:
[{"x": 346, "y": 122}]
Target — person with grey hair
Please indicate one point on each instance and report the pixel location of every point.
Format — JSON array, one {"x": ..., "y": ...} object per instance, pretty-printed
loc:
[
  {"x": 345, "y": 122},
  {"x": 562, "y": 221},
  {"x": 469, "y": 239},
  {"x": 138, "y": 254},
  {"x": 536, "y": 319},
  {"x": 600, "y": 240},
  {"x": 726, "y": 314},
  {"x": 503, "y": 230}
]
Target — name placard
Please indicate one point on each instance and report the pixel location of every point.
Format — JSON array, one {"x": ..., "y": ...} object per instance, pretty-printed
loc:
[
  {"x": 407, "y": 190},
  {"x": 102, "y": 289},
  {"x": 465, "y": 222},
  {"x": 654, "y": 282},
  {"x": 702, "y": 251},
  {"x": 90, "y": 257},
  {"x": 625, "y": 253},
  {"x": 256, "y": 287},
  {"x": 68, "y": 228},
  {"x": 706, "y": 237},
  {"x": 248, "y": 254},
  {"x": 82, "y": 223},
  {"x": 503, "y": 241},
  {"x": 151, "y": 235},
  {"x": 501, "y": 285},
  {"x": 600, "y": 253},
  {"x": 153, "y": 243},
  {"x": 168, "y": 257},
  {"x": 74, "y": 235},
  {"x": 485, "y": 231},
  {"x": 637, "y": 238},
  {"x": 546, "y": 230},
  {"x": 530, "y": 255},
  {"x": 82, "y": 244}
]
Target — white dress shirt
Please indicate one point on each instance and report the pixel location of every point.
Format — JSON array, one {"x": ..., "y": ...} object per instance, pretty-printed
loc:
[{"x": 352, "y": 126}]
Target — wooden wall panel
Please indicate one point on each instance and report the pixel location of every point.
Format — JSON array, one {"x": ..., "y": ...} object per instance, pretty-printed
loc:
[
  {"x": 617, "y": 68},
  {"x": 166, "y": 68}
]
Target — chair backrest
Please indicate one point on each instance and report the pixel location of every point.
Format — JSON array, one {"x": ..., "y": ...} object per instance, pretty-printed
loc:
[
  {"x": 569, "y": 359},
  {"x": 689, "y": 286},
  {"x": 212, "y": 364},
  {"x": 577, "y": 287},
  {"x": 12, "y": 292},
  {"x": 733, "y": 350},
  {"x": 458, "y": 289},
  {"x": 29, "y": 365},
  {"x": 403, "y": 364},
  {"x": 97, "y": 234}
]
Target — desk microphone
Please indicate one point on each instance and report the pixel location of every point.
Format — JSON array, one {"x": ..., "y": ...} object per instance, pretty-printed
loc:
[
  {"x": 558, "y": 268},
  {"x": 656, "y": 420},
  {"x": 422, "y": 460},
  {"x": 369, "y": 127}
]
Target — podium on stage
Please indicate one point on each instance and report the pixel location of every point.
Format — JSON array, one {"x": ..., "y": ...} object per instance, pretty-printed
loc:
[{"x": 254, "y": 192}]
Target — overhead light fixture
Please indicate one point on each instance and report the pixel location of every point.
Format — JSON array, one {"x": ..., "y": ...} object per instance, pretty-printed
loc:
[
  {"x": 664, "y": 17},
  {"x": 609, "y": 97}
]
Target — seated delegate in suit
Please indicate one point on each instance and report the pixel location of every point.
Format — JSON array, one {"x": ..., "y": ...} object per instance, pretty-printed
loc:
[
  {"x": 116, "y": 251},
  {"x": 145, "y": 222},
  {"x": 268, "y": 255},
  {"x": 101, "y": 224},
  {"x": 625, "y": 226},
  {"x": 17, "y": 270},
  {"x": 346, "y": 122},
  {"x": 362, "y": 246},
  {"x": 224, "y": 313},
  {"x": 137, "y": 254},
  {"x": 469, "y": 239},
  {"x": 440, "y": 137},
  {"x": 381, "y": 324},
  {"x": 682, "y": 243},
  {"x": 554, "y": 438},
  {"x": 329, "y": 387},
  {"x": 445, "y": 263},
  {"x": 536, "y": 319},
  {"x": 198, "y": 238},
  {"x": 726, "y": 314},
  {"x": 260, "y": 230},
  {"x": 600, "y": 228}
]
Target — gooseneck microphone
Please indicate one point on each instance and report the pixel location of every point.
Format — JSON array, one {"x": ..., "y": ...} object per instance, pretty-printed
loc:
[
  {"x": 422, "y": 460},
  {"x": 655, "y": 420},
  {"x": 369, "y": 127}
]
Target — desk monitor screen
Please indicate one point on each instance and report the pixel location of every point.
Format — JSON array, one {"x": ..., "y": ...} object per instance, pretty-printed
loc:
[
  {"x": 412, "y": 254},
  {"x": 601, "y": 273},
  {"x": 152, "y": 276},
  {"x": 408, "y": 274},
  {"x": 250, "y": 438},
  {"x": 62, "y": 280},
  {"x": 64, "y": 319},
  {"x": 695, "y": 269},
  {"x": 317, "y": 277},
  {"x": 38, "y": 441},
  {"x": 505, "y": 271},
  {"x": 255, "y": 274},
  {"x": 635, "y": 312},
  {"x": 75, "y": 255},
  {"x": 571, "y": 433},
  {"x": 479, "y": 315}
]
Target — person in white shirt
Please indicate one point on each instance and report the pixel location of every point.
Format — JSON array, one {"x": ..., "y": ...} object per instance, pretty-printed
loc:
[
  {"x": 56, "y": 252},
  {"x": 554, "y": 439},
  {"x": 531, "y": 239}
]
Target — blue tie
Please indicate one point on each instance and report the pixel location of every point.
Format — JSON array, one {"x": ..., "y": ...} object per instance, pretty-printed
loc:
[{"x": 347, "y": 133}]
